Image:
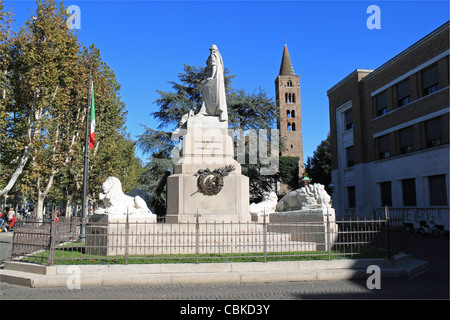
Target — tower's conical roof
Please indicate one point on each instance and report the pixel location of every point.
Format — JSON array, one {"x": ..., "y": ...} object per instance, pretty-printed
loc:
[{"x": 286, "y": 65}]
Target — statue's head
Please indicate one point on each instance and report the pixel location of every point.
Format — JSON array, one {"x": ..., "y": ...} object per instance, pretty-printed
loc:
[
  {"x": 213, "y": 48},
  {"x": 111, "y": 185}
]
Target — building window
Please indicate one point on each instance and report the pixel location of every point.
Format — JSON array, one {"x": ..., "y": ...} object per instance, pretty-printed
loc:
[
  {"x": 351, "y": 197},
  {"x": 350, "y": 154},
  {"x": 293, "y": 126},
  {"x": 433, "y": 132},
  {"x": 348, "y": 117},
  {"x": 289, "y": 83},
  {"x": 430, "y": 80},
  {"x": 288, "y": 113},
  {"x": 406, "y": 140},
  {"x": 386, "y": 194},
  {"x": 381, "y": 103},
  {"x": 289, "y": 127},
  {"x": 293, "y": 113},
  {"x": 438, "y": 190},
  {"x": 409, "y": 192},
  {"x": 383, "y": 147},
  {"x": 290, "y": 97},
  {"x": 403, "y": 95}
]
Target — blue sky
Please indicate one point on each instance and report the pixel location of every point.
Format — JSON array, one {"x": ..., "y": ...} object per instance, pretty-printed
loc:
[{"x": 147, "y": 42}]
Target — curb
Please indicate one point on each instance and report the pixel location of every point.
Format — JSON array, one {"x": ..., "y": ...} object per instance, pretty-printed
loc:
[{"x": 38, "y": 276}]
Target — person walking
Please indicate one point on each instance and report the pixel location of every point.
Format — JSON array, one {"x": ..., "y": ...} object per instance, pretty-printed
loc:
[
  {"x": 1, "y": 221},
  {"x": 11, "y": 218}
]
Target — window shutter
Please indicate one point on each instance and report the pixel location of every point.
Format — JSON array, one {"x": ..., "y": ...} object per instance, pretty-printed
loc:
[
  {"x": 406, "y": 137},
  {"x": 381, "y": 100},
  {"x": 433, "y": 129},
  {"x": 383, "y": 143},
  {"x": 403, "y": 89},
  {"x": 430, "y": 76}
]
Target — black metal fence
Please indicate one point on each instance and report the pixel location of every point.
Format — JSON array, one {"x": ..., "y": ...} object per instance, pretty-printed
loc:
[{"x": 67, "y": 241}]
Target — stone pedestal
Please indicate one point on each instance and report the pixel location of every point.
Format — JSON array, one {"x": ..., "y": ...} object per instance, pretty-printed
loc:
[
  {"x": 310, "y": 225},
  {"x": 110, "y": 235},
  {"x": 207, "y": 145}
]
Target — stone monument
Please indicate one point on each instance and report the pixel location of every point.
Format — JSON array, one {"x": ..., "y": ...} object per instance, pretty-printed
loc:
[
  {"x": 264, "y": 208},
  {"x": 118, "y": 204},
  {"x": 309, "y": 207},
  {"x": 109, "y": 219},
  {"x": 207, "y": 181},
  {"x": 306, "y": 198}
]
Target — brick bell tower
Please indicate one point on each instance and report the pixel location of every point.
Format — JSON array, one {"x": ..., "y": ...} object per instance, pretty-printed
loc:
[{"x": 287, "y": 92}]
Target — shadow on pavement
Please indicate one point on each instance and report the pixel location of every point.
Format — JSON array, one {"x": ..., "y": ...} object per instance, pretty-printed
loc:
[{"x": 431, "y": 284}]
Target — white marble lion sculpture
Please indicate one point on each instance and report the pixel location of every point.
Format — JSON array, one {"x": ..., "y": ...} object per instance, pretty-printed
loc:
[
  {"x": 116, "y": 202},
  {"x": 266, "y": 206},
  {"x": 312, "y": 196}
]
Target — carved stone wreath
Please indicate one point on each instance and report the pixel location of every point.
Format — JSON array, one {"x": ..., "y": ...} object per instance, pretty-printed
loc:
[{"x": 211, "y": 186}]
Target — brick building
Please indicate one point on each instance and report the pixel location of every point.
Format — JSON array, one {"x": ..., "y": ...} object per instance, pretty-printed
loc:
[
  {"x": 389, "y": 131},
  {"x": 287, "y": 93}
]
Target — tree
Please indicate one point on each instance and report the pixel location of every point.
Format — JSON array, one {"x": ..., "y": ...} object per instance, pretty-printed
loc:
[
  {"x": 11, "y": 168},
  {"x": 318, "y": 167},
  {"x": 288, "y": 171},
  {"x": 113, "y": 153},
  {"x": 49, "y": 74},
  {"x": 43, "y": 112}
]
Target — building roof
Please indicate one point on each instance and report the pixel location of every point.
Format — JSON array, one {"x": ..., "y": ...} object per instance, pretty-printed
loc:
[
  {"x": 354, "y": 73},
  {"x": 286, "y": 65}
]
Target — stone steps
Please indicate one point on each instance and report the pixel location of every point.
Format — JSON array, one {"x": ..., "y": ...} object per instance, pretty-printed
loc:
[{"x": 35, "y": 276}]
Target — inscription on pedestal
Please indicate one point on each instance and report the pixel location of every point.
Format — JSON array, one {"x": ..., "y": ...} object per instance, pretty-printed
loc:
[{"x": 202, "y": 145}]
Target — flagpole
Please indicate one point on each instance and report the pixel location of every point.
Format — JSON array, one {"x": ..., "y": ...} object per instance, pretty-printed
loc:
[{"x": 86, "y": 162}]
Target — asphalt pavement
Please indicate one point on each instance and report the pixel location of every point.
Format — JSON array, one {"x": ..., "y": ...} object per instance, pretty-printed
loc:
[{"x": 430, "y": 285}]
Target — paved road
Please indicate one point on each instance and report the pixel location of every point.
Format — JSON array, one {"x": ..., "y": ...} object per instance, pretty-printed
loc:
[{"x": 433, "y": 284}]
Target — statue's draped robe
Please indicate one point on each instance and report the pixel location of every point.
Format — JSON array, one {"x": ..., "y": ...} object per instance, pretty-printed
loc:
[{"x": 213, "y": 90}]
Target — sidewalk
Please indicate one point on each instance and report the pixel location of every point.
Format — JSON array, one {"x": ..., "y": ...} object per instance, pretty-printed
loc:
[{"x": 37, "y": 276}]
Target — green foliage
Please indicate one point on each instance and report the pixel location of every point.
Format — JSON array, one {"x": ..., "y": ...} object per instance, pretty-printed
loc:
[
  {"x": 318, "y": 167},
  {"x": 156, "y": 143},
  {"x": 258, "y": 184},
  {"x": 154, "y": 172},
  {"x": 288, "y": 171},
  {"x": 45, "y": 76},
  {"x": 251, "y": 111}
]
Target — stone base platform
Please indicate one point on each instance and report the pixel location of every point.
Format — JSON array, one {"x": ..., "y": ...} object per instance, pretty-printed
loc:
[
  {"x": 116, "y": 237},
  {"x": 312, "y": 225}
]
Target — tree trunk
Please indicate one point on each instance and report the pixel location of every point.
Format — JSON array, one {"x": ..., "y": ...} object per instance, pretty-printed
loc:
[
  {"x": 35, "y": 114},
  {"x": 41, "y": 197},
  {"x": 23, "y": 161},
  {"x": 39, "y": 209},
  {"x": 69, "y": 201}
]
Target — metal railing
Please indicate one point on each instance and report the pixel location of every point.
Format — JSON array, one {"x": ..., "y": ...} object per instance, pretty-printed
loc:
[
  {"x": 131, "y": 242},
  {"x": 413, "y": 216}
]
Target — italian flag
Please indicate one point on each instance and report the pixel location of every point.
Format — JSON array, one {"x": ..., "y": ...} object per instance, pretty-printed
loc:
[{"x": 92, "y": 120}]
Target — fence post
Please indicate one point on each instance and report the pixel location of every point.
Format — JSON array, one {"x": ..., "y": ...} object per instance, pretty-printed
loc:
[
  {"x": 197, "y": 230},
  {"x": 52, "y": 240},
  {"x": 388, "y": 240},
  {"x": 127, "y": 233},
  {"x": 265, "y": 236},
  {"x": 328, "y": 242}
]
